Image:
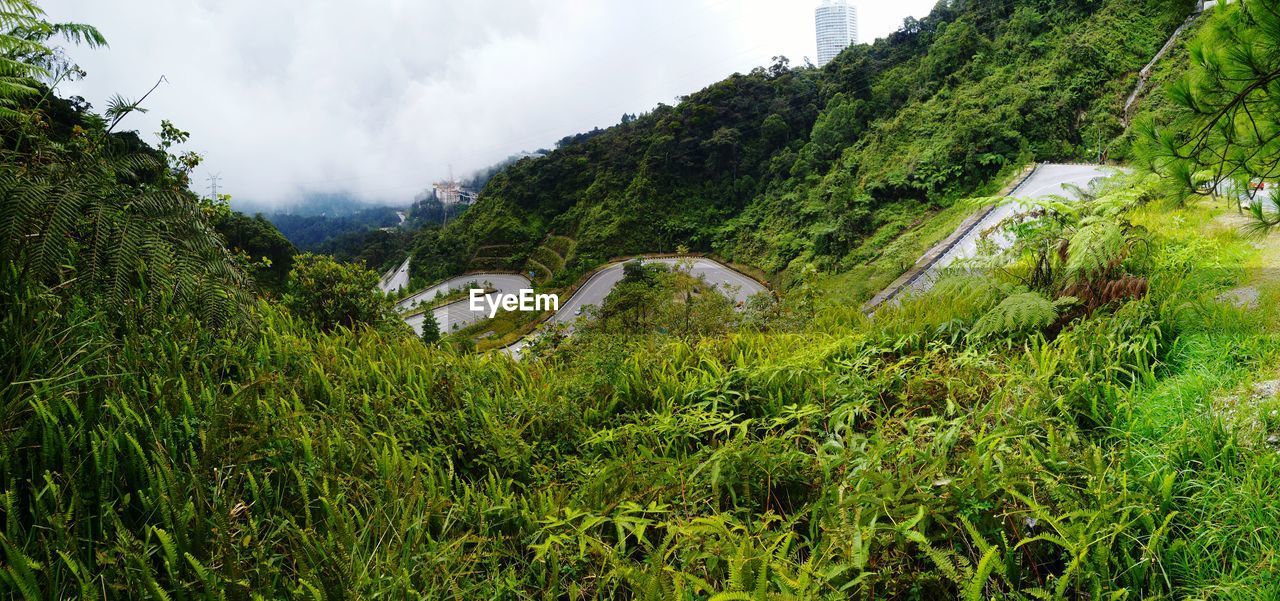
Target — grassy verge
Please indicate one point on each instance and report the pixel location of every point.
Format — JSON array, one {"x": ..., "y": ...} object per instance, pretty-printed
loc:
[
  {"x": 503, "y": 330},
  {"x": 1210, "y": 422},
  {"x": 890, "y": 251}
]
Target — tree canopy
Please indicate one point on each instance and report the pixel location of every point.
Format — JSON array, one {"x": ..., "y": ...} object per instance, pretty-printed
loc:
[
  {"x": 1225, "y": 139},
  {"x": 789, "y": 165}
]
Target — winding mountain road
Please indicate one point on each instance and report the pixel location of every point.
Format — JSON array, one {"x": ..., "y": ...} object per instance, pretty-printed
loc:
[
  {"x": 507, "y": 283},
  {"x": 451, "y": 317},
  {"x": 1047, "y": 180},
  {"x": 594, "y": 291},
  {"x": 392, "y": 281},
  {"x": 458, "y": 315},
  {"x": 597, "y": 287}
]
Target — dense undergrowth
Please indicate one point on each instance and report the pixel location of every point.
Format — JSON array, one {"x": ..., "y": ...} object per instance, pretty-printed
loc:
[{"x": 905, "y": 457}]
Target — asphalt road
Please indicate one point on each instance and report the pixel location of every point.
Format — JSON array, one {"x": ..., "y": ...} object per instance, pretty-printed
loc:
[
  {"x": 394, "y": 280},
  {"x": 598, "y": 287},
  {"x": 507, "y": 283},
  {"x": 1048, "y": 180},
  {"x": 594, "y": 291},
  {"x": 450, "y": 317}
]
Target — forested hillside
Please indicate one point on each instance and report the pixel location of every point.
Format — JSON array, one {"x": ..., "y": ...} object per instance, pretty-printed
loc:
[
  {"x": 788, "y": 163},
  {"x": 310, "y": 232}
]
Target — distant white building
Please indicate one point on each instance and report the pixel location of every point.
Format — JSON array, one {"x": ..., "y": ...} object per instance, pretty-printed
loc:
[
  {"x": 449, "y": 192},
  {"x": 837, "y": 23}
]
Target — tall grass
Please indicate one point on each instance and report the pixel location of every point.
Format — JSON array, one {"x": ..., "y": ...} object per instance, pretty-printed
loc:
[{"x": 894, "y": 458}]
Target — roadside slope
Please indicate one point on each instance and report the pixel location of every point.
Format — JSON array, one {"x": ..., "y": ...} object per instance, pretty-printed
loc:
[{"x": 1046, "y": 181}]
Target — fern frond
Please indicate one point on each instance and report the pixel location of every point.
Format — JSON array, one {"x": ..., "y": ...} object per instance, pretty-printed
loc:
[
  {"x": 59, "y": 231},
  {"x": 78, "y": 33},
  {"x": 19, "y": 572},
  {"x": 1017, "y": 315},
  {"x": 978, "y": 583},
  {"x": 1094, "y": 249}
]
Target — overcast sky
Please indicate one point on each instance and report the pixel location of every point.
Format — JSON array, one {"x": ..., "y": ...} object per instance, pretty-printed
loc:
[{"x": 378, "y": 98}]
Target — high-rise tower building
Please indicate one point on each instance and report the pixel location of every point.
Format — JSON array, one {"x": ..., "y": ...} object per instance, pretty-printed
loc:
[{"x": 837, "y": 28}]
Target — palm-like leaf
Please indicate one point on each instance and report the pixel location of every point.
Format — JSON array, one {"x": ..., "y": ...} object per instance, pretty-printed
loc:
[
  {"x": 78, "y": 225},
  {"x": 24, "y": 53}
]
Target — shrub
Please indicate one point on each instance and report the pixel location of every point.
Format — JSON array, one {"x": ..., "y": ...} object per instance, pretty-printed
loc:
[{"x": 329, "y": 294}]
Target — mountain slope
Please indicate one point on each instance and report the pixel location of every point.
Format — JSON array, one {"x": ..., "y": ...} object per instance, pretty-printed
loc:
[{"x": 800, "y": 163}]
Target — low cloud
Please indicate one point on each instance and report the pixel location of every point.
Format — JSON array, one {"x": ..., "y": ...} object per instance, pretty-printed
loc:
[{"x": 379, "y": 98}]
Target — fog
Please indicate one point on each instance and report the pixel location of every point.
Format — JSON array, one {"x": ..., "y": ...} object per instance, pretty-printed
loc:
[{"x": 291, "y": 99}]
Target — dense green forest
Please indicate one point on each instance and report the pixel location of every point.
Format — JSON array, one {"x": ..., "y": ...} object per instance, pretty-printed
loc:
[
  {"x": 310, "y": 232},
  {"x": 376, "y": 249},
  {"x": 786, "y": 166},
  {"x": 189, "y": 410},
  {"x": 264, "y": 250}
]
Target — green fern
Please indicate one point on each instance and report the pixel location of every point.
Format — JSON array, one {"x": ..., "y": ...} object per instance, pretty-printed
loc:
[
  {"x": 19, "y": 574},
  {"x": 24, "y": 53},
  {"x": 978, "y": 582},
  {"x": 1018, "y": 315},
  {"x": 1095, "y": 249},
  {"x": 955, "y": 567},
  {"x": 77, "y": 225}
]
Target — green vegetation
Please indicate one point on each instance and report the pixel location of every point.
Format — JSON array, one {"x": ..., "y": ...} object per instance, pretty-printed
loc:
[
  {"x": 329, "y": 295},
  {"x": 95, "y": 214},
  {"x": 1080, "y": 422},
  {"x": 379, "y": 250},
  {"x": 430, "y": 329},
  {"x": 505, "y": 329},
  {"x": 1221, "y": 137},
  {"x": 311, "y": 232},
  {"x": 442, "y": 298},
  {"x": 783, "y": 167},
  {"x": 919, "y": 455},
  {"x": 549, "y": 260},
  {"x": 654, "y": 298},
  {"x": 261, "y": 248}
]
